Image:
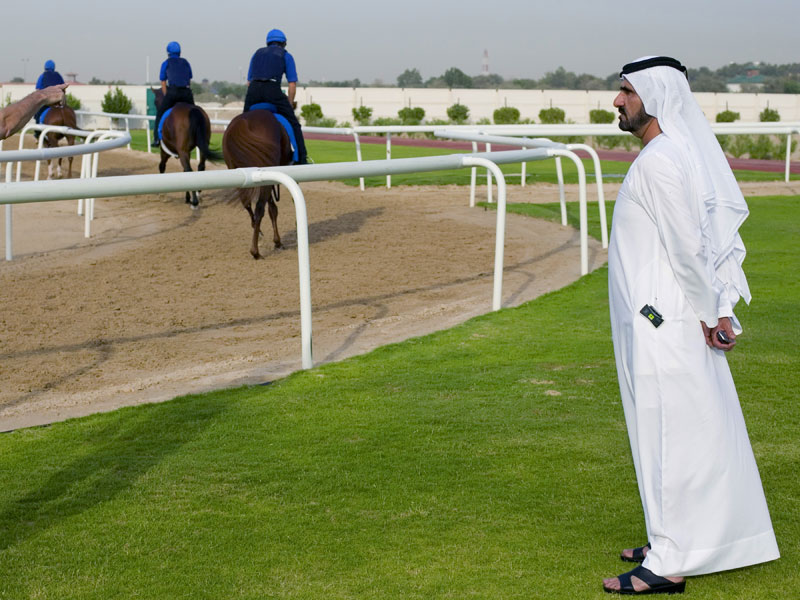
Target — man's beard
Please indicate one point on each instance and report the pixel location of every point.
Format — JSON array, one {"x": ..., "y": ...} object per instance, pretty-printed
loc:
[{"x": 635, "y": 122}]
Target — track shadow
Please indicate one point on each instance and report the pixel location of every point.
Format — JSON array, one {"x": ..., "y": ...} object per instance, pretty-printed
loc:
[
  {"x": 343, "y": 224},
  {"x": 116, "y": 455}
]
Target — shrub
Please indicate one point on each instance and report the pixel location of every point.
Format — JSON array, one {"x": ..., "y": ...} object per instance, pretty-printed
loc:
[
  {"x": 728, "y": 116},
  {"x": 362, "y": 115},
  {"x": 552, "y": 115},
  {"x": 484, "y": 121},
  {"x": 383, "y": 121},
  {"x": 506, "y": 115},
  {"x": 769, "y": 115},
  {"x": 761, "y": 147},
  {"x": 311, "y": 113},
  {"x": 326, "y": 122},
  {"x": 73, "y": 102},
  {"x": 411, "y": 116},
  {"x": 116, "y": 102},
  {"x": 458, "y": 113},
  {"x": 739, "y": 146},
  {"x": 600, "y": 115}
]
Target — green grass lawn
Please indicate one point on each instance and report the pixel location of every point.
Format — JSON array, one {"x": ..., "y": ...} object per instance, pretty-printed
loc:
[
  {"x": 486, "y": 461},
  {"x": 324, "y": 151}
]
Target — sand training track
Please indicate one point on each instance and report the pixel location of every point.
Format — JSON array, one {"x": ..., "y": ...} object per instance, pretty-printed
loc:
[{"x": 163, "y": 301}]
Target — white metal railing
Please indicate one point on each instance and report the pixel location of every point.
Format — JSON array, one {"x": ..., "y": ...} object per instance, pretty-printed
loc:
[
  {"x": 526, "y": 129},
  {"x": 89, "y": 152},
  {"x": 545, "y": 143},
  {"x": 18, "y": 193}
]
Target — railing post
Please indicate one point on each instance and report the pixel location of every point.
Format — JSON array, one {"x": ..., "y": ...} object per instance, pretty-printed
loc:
[
  {"x": 358, "y": 157},
  {"x": 500, "y": 228},
  {"x": 584, "y": 233},
  {"x": 388, "y": 157},
  {"x": 303, "y": 260}
]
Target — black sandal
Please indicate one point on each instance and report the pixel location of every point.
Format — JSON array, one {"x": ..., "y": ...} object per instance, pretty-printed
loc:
[
  {"x": 638, "y": 554},
  {"x": 656, "y": 583}
]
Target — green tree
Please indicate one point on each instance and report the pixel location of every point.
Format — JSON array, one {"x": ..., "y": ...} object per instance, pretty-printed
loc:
[
  {"x": 116, "y": 102},
  {"x": 311, "y": 113},
  {"x": 487, "y": 81},
  {"x": 411, "y": 116},
  {"x": 458, "y": 113},
  {"x": 507, "y": 115},
  {"x": 409, "y": 78},
  {"x": 362, "y": 115},
  {"x": 552, "y": 115},
  {"x": 769, "y": 115},
  {"x": 599, "y": 115},
  {"x": 727, "y": 116},
  {"x": 456, "y": 78},
  {"x": 73, "y": 102}
]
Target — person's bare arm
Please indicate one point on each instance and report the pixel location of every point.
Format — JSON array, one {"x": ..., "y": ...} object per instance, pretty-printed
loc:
[
  {"x": 14, "y": 116},
  {"x": 291, "y": 93},
  {"x": 164, "y": 87}
]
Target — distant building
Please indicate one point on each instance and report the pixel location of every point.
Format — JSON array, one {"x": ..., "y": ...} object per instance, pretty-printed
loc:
[
  {"x": 752, "y": 80},
  {"x": 72, "y": 77}
]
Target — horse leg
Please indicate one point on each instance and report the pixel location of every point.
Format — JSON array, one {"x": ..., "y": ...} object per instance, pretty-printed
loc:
[
  {"x": 191, "y": 197},
  {"x": 257, "y": 216},
  {"x": 58, "y": 169},
  {"x": 273, "y": 215},
  {"x": 163, "y": 164},
  {"x": 71, "y": 142},
  {"x": 201, "y": 166}
]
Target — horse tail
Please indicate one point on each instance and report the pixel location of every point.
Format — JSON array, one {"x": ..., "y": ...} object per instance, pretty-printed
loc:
[{"x": 197, "y": 124}]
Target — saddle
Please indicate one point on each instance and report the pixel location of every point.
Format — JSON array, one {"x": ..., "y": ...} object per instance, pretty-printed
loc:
[
  {"x": 284, "y": 123},
  {"x": 161, "y": 122}
]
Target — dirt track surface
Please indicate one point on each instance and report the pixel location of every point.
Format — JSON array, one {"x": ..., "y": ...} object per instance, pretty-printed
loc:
[{"x": 164, "y": 301}]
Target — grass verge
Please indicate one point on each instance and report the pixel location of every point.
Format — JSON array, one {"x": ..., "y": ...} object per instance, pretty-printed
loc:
[{"x": 486, "y": 461}]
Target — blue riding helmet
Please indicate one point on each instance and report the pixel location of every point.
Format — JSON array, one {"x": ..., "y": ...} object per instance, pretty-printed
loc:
[
  {"x": 49, "y": 66},
  {"x": 174, "y": 48},
  {"x": 276, "y": 35}
]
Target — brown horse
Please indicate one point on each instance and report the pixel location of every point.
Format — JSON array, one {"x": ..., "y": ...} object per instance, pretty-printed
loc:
[
  {"x": 185, "y": 127},
  {"x": 256, "y": 139},
  {"x": 65, "y": 116}
]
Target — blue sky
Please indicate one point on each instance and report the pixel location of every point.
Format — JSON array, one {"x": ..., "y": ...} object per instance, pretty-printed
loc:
[{"x": 374, "y": 40}]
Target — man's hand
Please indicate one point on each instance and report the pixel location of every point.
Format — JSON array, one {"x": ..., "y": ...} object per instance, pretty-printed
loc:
[
  {"x": 294, "y": 104},
  {"x": 712, "y": 341},
  {"x": 55, "y": 94}
]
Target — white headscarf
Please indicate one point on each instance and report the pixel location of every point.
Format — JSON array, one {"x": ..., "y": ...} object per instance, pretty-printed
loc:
[{"x": 665, "y": 93}]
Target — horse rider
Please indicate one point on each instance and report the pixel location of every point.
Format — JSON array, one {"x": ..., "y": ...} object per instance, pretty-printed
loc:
[
  {"x": 267, "y": 68},
  {"x": 48, "y": 78},
  {"x": 176, "y": 77}
]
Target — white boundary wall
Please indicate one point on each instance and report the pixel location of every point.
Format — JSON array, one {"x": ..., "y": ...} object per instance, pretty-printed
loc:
[{"x": 337, "y": 103}]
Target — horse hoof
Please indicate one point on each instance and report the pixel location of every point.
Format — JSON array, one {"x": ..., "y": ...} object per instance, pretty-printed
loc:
[{"x": 195, "y": 206}]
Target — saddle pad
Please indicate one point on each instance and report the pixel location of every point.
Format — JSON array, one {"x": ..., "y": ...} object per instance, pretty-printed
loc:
[
  {"x": 43, "y": 115},
  {"x": 161, "y": 122},
  {"x": 284, "y": 123}
]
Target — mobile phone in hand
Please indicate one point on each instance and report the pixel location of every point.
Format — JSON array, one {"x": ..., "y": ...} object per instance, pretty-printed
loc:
[{"x": 723, "y": 337}]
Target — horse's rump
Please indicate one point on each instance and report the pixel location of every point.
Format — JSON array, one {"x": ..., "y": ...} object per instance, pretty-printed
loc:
[{"x": 256, "y": 139}]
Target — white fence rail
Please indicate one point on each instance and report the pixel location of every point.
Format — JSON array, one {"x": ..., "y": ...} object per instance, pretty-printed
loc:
[
  {"x": 94, "y": 143},
  {"x": 540, "y": 130},
  {"x": 46, "y": 191}
]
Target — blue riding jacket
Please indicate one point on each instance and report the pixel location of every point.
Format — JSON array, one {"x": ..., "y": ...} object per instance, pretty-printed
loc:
[
  {"x": 270, "y": 64},
  {"x": 49, "y": 78},
  {"x": 176, "y": 72}
]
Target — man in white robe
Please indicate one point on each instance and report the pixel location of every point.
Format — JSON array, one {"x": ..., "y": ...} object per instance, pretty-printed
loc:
[{"x": 675, "y": 275}]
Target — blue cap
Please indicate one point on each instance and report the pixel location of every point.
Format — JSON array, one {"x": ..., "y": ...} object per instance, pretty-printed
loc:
[
  {"x": 49, "y": 66},
  {"x": 276, "y": 35},
  {"x": 174, "y": 48}
]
